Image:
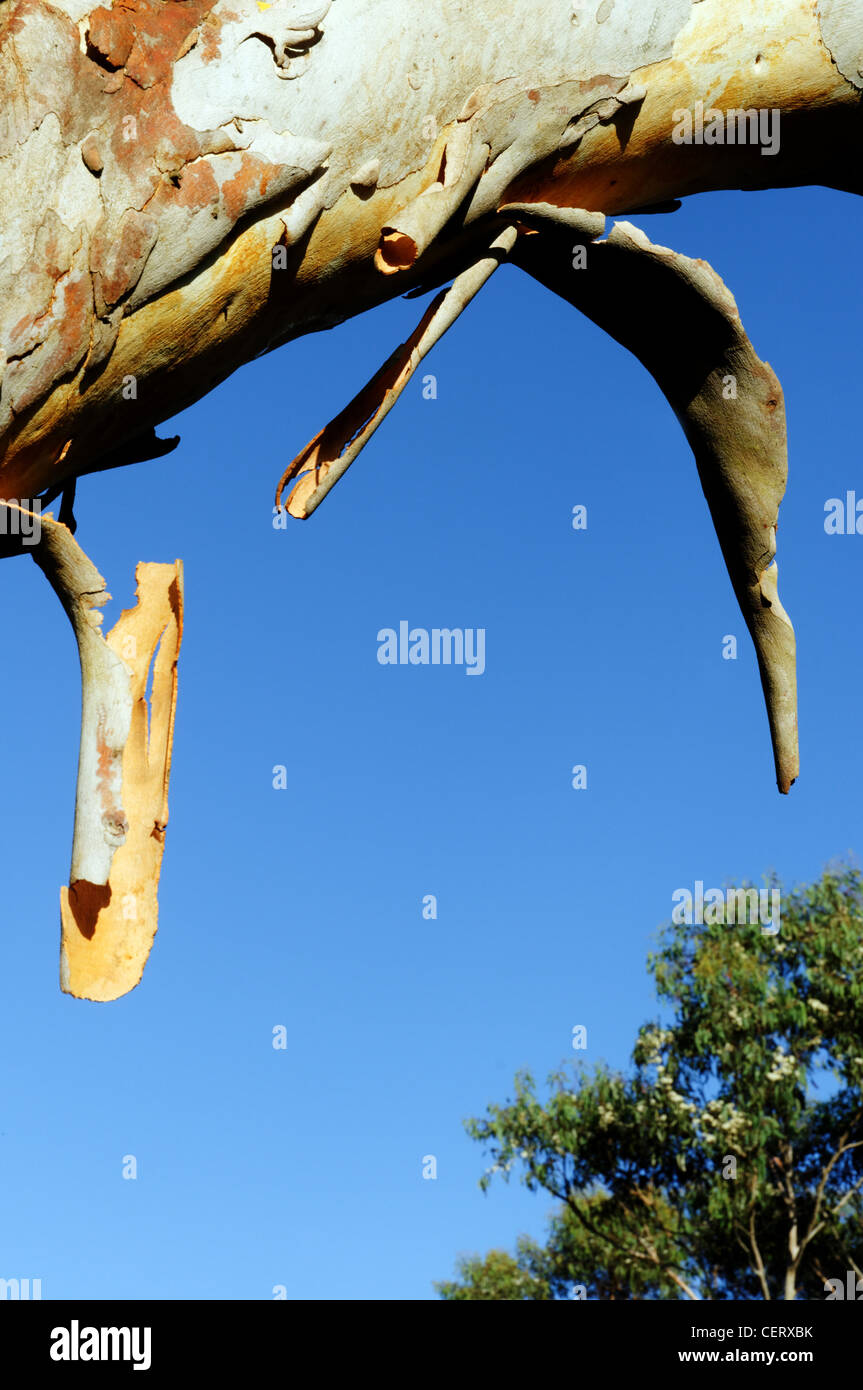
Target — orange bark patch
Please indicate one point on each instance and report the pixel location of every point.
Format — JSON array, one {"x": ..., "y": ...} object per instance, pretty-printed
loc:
[
  {"x": 65, "y": 345},
  {"x": 144, "y": 36},
  {"x": 209, "y": 40},
  {"x": 119, "y": 259},
  {"x": 248, "y": 186},
  {"x": 111, "y": 33},
  {"x": 198, "y": 187}
]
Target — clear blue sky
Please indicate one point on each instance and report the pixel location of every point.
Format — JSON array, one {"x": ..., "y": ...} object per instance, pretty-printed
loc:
[{"x": 302, "y": 907}]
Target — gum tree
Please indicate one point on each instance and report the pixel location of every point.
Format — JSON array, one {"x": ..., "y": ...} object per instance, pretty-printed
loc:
[
  {"x": 729, "y": 1162},
  {"x": 185, "y": 185}
]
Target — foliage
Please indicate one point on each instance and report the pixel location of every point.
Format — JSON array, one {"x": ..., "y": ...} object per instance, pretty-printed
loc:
[{"x": 728, "y": 1163}]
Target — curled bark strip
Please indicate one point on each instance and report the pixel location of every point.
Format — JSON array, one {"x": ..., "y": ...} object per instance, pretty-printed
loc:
[
  {"x": 416, "y": 226},
  {"x": 109, "y": 911},
  {"x": 586, "y": 226},
  {"x": 329, "y": 455},
  {"x": 676, "y": 315}
]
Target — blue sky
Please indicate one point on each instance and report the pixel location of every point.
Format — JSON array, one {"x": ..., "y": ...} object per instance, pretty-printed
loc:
[{"x": 302, "y": 907}]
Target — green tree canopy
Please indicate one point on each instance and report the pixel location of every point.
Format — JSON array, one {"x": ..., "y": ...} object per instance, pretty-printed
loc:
[{"x": 728, "y": 1162}]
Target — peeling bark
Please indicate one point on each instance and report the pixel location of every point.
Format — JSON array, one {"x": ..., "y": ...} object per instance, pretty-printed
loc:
[
  {"x": 109, "y": 910},
  {"x": 186, "y": 184},
  {"x": 320, "y": 465},
  {"x": 152, "y": 156},
  {"x": 680, "y": 320}
]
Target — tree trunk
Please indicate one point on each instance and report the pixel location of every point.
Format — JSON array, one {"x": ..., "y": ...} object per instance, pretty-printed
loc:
[{"x": 185, "y": 185}]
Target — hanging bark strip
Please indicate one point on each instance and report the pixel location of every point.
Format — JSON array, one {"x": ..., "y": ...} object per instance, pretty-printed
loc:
[
  {"x": 680, "y": 320},
  {"x": 330, "y": 454},
  {"x": 318, "y": 467},
  {"x": 677, "y": 316},
  {"x": 109, "y": 911}
]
